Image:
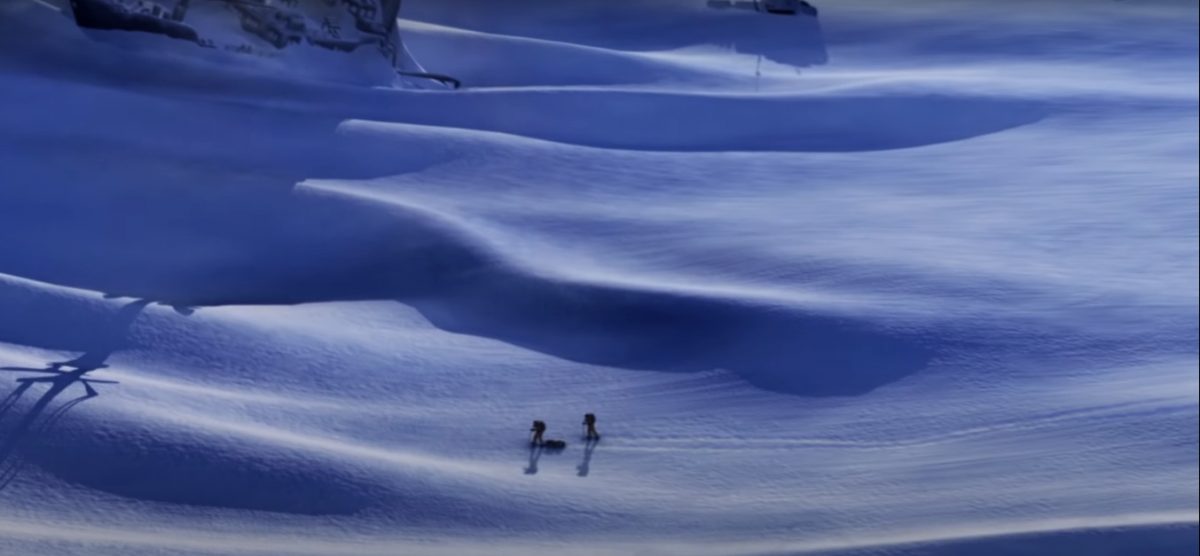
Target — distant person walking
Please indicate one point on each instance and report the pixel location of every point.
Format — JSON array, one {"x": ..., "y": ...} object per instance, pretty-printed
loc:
[
  {"x": 539, "y": 427},
  {"x": 589, "y": 421}
]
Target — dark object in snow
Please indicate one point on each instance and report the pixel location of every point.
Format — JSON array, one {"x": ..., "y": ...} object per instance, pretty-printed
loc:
[
  {"x": 539, "y": 427},
  {"x": 589, "y": 421}
]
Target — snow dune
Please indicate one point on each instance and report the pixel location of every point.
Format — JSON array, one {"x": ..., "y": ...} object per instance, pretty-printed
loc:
[{"x": 909, "y": 284}]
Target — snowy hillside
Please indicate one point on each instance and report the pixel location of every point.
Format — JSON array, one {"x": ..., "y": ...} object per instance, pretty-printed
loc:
[{"x": 897, "y": 278}]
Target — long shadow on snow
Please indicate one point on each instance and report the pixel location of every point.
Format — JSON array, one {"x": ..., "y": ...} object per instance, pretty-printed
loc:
[
  {"x": 97, "y": 348},
  {"x": 129, "y": 459},
  {"x": 24, "y": 432}
]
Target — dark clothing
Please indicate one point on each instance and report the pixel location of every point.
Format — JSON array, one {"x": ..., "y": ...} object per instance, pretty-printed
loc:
[
  {"x": 539, "y": 427},
  {"x": 590, "y": 421}
]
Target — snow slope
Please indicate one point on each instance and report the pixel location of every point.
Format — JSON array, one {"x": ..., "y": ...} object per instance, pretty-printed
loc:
[{"x": 925, "y": 284}]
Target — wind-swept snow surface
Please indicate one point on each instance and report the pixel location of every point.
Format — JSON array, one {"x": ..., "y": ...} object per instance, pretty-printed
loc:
[{"x": 898, "y": 278}]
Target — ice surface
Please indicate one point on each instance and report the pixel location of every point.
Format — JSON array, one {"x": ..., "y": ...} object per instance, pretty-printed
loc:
[{"x": 897, "y": 279}]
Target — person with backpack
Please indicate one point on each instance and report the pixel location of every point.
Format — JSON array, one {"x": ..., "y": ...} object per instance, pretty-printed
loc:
[
  {"x": 539, "y": 427},
  {"x": 589, "y": 420}
]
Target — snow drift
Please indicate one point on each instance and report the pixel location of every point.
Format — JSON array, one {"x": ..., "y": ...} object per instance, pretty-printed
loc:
[{"x": 905, "y": 279}]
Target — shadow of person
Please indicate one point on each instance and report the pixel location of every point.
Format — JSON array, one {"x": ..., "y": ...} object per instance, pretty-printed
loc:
[
  {"x": 10, "y": 472},
  {"x": 58, "y": 379},
  {"x": 535, "y": 453},
  {"x": 13, "y": 397},
  {"x": 98, "y": 347},
  {"x": 585, "y": 466}
]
